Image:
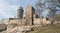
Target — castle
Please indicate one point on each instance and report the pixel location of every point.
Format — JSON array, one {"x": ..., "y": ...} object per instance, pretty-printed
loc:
[
  {"x": 20, "y": 24},
  {"x": 30, "y": 18}
]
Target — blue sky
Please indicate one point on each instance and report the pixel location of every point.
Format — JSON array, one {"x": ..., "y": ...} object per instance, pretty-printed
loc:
[{"x": 8, "y": 8}]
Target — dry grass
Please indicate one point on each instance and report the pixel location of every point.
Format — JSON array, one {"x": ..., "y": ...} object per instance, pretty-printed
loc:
[{"x": 48, "y": 29}]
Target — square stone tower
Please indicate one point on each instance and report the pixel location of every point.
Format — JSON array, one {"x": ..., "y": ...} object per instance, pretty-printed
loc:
[{"x": 29, "y": 15}]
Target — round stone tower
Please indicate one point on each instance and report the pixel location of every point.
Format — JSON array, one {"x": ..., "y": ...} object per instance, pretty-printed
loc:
[{"x": 20, "y": 13}]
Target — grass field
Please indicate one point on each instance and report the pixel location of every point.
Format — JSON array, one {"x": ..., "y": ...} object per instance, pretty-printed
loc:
[{"x": 48, "y": 29}]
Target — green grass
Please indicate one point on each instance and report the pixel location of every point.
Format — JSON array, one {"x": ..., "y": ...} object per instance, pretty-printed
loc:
[{"x": 48, "y": 29}]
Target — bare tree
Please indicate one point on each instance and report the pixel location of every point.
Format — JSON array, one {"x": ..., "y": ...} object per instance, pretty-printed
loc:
[
  {"x": 43, "y": 5},
  {"x": 40, "y": 8},
  {"x": 57, "y": 18},
  {"x": 53, "y": 5}
]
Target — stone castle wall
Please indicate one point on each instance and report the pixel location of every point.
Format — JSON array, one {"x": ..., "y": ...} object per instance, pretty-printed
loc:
[
  {"x": 37, "y": 21},
  {"x": 30, "y": 18},
  {"x": 16, "y": 21}
]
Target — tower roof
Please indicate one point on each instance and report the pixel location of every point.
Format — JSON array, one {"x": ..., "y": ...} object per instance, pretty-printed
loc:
[{"x": 20, "y": 7}]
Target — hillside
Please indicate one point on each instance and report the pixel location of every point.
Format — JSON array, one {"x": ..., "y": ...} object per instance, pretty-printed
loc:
[{"x": 48, "y": 29}]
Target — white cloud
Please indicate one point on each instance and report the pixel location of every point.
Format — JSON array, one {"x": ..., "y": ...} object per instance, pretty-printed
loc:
[{"x": 7, "y": 10}]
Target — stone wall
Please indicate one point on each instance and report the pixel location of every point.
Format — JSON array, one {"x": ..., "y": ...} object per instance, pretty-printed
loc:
[
  {"x": 37, "y": 21},
  {"x": 16, "y": 21}
]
